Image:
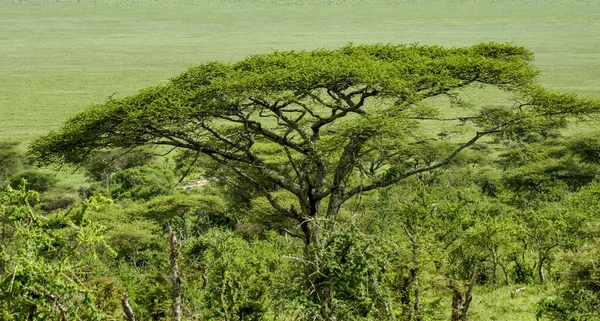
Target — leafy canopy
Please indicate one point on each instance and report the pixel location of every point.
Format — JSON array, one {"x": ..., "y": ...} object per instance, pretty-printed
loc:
[{"x": 322, "y": 125}]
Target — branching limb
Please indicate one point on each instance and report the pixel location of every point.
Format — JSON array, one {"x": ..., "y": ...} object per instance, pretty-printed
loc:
[
  {"x": 277, "y": 111},
  {"x": 446, "y": 161},
  {"x": 293, "y": 163},
  {"x": 61, "y": 309}
]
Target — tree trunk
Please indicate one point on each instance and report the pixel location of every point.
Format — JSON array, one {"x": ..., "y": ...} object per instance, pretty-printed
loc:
[
  {"x": 541, "y": 274},
  {"x": 494, "y": 267},
  {"x": 175, "y": 277},
  {"x": 414, "y": 275},
  {"x": 457, "y": 302},
  {"x": 505, "y": 273},
  {"x": 469, "y": 294},
  {"x": 107, "y": 181},
  {"x": 127, "y": 308},
  {"x": 460, "y": 303},
  {"x": 54, "y": 299},
  {"x": 415, "y": 280}
]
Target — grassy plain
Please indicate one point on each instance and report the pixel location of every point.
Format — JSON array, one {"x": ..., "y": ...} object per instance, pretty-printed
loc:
[{"x": 57, "y": 57}]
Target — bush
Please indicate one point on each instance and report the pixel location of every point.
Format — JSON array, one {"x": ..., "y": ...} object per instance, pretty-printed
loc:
[
  {"x": 143, "y": 182},
  {"x": 101, "y": 165},
  {"x": 10, "y": 160},
  {"x": 587, "y": 148},
  {"x": 58, "y": 202},
  {"x": 346, "y": 271},
  {"x": 35, "y": 180},
  {"x": 578, "y": 298},
  {"x": 241, "y": 276}
]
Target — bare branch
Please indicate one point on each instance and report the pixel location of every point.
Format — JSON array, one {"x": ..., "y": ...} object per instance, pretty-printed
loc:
[
  {"x": 189, "y": 169},
  {"x": 320, "y": 101},
  {"x": 272, "y": 200},
  {"x": 277, "y": 111},
  {"x": 446, "y": 161},
  {"x": 413, "y": 240},
  {"x": 307, "y": 109},
  {"x": 292, "y": 234},
  {"x": 61, "y": 309},
  {"x": 270, "y": 135},
  {"x": 293, "y": 163}
]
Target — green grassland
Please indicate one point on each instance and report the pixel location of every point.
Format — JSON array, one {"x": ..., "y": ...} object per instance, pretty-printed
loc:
[{"x": 57, "y": 57}]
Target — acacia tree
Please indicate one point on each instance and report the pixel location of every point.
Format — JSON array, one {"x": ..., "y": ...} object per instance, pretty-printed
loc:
[{"x": 321, "y": 126}]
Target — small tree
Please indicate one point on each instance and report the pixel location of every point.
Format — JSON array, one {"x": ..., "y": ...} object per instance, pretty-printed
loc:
[
  {"x": 43, "y": 259},
  {"x": 578, "y": 298},
  {"x": 587, "y": 148},
  {"x": 144, "y": 182},
  {"x": 34, "y": 180},
  {"x": 10, "y": 160}
]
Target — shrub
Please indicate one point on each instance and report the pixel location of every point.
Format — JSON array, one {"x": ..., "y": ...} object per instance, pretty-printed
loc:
[
  {"x": 10, "y": 160},
  {"x": 241, "y": 276},
  {"x": 35, "y": 180},
  {"x": 143, "y": 182},
  {"x": 587, "y": 148},
  {"x": 349, "y": 280},
  {"x": 578, "y": 298},
  {"x": 58, "y": 202}
]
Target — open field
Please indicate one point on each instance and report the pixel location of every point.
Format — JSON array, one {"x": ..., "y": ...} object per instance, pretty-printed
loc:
[{"x": 58, "y": 57}]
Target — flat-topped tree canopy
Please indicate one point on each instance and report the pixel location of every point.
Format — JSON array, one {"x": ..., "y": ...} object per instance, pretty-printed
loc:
[{"x": 311, "y": 122}]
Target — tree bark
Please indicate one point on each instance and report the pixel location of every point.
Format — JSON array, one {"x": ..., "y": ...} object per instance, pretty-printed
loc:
[
  {"x": 63, "y": 313},
  {"x": 494, "y": 266},
  {"x": 469, "y": 294},
  {"x": 457, "y": 302},
  {"x": 541, "y": 274},
  {"x": 175, "y": 277},
  {"x": 414, "y": 274},
  {"x": 460, "y": 303},
  {"x": 127, "y": 308},
  {"x": 505, "y": 272},
  {"x": 415, "y": 278},
  {"x": 107, "y": 181}
]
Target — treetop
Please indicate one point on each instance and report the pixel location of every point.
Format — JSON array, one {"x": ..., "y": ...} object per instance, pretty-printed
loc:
[{"x": 320, "y": 82}]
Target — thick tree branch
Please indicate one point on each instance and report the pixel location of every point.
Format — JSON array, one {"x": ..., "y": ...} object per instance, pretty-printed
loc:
[
  {"x": 127, "y": 308},
  {"x": 175, "y": 276},
  {"x": 352, "y": 107},
  {"x": 345, "y": 165},
  {"x": 307, "y": 109},
  {"x": 277, "y": 111},
  {"x": 258, "y": 128}
]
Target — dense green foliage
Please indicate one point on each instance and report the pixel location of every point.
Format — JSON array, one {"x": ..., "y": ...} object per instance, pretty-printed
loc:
[
  {"x": 34, "y": 180},
  {"x": 305, "y": 125},
  {"x": 45, "y": 260},
  {"x": 322, "y": 185},
  {"x": 10, "y": 160}
]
